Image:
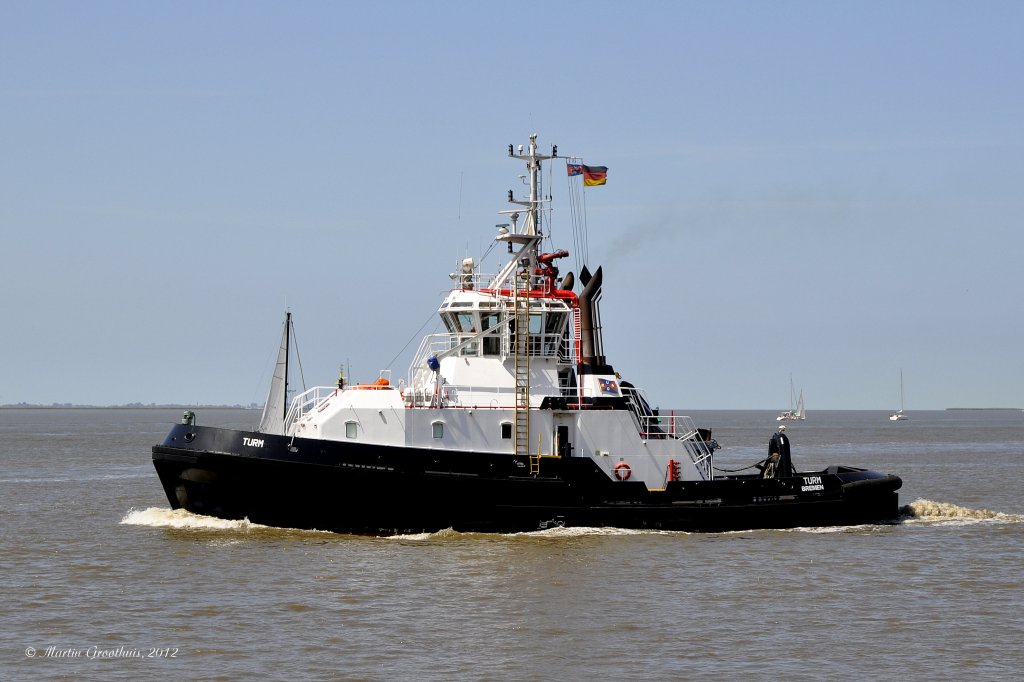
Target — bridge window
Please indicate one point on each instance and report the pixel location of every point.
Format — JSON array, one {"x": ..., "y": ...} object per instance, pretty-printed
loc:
[
  {"x": 553, "y": 327},
  {"x": 465, "y": 322},
  {"x": 555, "y": 323},
  {"x": 492, "y": 342}
]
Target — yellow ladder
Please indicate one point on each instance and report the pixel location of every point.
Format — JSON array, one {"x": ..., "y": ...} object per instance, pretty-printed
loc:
[{"x": 521, "y": 356}]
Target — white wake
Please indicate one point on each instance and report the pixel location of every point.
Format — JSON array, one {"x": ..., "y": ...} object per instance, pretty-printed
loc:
[
  {"x": 929, "y": 511},
  {"x": 161, "y": 517}
]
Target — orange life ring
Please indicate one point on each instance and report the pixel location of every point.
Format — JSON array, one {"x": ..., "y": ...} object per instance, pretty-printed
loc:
[{"x": 622, "y": 471}]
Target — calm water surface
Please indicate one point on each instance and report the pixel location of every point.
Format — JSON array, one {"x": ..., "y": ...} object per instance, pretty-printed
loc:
[{"x": 102, "y": 581}]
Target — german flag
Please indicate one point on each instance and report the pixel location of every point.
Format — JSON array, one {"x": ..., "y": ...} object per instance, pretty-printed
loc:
[{"x": 594, "y": 175}]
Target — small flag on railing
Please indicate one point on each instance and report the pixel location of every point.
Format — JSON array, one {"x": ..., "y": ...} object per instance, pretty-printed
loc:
[
  {"x": 574, "y": 169},
  {"x": 594, "y": 175}
]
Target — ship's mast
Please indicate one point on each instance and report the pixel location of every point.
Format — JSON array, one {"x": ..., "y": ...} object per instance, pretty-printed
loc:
[
  {"x": 533, "y": 166},
  {"x": 530, "y": 235},
  {"x": 287, "y": 352},
  {"x": 518, "y": 277}
]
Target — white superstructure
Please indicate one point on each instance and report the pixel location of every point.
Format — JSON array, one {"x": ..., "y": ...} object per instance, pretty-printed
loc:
[{"x": 519, "y": 370}]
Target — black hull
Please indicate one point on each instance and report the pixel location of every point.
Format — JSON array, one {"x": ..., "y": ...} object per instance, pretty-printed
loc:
[{"x": 359, "y": 488}]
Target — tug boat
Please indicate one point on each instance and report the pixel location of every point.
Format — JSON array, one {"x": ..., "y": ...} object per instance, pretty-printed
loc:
[{"x": 510, "y": 420}]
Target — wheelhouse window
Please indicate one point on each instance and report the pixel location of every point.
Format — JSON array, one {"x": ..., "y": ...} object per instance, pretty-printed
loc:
[
  {"x": 460, "y": 322},
  {"x": 351, "y": 429},
  {"x": 492, "y": 342},
  {"x": 462, "y": 325},
  {"x": 553, "y": 326},
  {"x": 536, "y": 327},
  {"x": 437, "y": 429}
]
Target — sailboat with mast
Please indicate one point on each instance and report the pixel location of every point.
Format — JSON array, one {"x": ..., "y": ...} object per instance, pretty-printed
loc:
[
  {"x": 899, "y": 416},
  {"x": 796, "y": 405},
  {"x": 513, "y": 418}
]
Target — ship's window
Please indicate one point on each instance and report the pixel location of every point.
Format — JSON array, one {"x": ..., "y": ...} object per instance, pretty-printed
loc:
[
  {"x": 466, "y": 322},
  {"x": 488, "y": 320},
  {"x": 449, "y": 322},
  {"x": 492, "y": 342},
  {"x": 506, "y": 430},
  {"x": 553, "y": 332},
  {"x": 554, "y": 323},
  {"x": 437, "y": 428},
  {"x": 536, "y": 326},
  {"x": 350, "y": 429}
]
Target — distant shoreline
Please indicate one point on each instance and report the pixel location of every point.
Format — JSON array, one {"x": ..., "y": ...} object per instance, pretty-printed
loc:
[
  {"x": 985, "y": 409},
  {"x": 260, "y": 407},
  {"x": 130, "y": 407}
]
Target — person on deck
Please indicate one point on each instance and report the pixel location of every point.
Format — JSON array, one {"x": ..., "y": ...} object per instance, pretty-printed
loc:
[{"x": 778, "y": 464}]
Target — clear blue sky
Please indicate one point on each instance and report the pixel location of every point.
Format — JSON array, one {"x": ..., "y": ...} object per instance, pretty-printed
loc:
[{"x": 833, "y": 190}]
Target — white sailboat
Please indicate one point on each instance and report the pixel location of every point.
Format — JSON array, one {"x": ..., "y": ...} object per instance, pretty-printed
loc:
[
  {"x": 899, "y": 416},
  {"x": 793, "y": 413}
]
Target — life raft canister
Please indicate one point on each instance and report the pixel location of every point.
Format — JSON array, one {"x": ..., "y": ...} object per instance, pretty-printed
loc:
[
  {"x": 378, "y": 385},
  {"x": 622, "y": 471}
]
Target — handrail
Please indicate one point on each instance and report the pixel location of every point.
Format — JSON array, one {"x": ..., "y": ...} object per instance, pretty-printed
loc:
[
  {"x": 480, "y": 280},
  {"x": 653, "y": 425},
  {"x": 650, "y": 426},
  {"x": 304, "y": 403},
  {"x": 444, "y": 344},
  {"x": 681, "y": 428}
]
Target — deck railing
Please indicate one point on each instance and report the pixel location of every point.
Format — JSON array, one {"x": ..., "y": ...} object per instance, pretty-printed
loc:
[
  {"x": 653, "y": 425},
  {"x": 484, "y": 344},
  {"x": 304, "y": 403}
]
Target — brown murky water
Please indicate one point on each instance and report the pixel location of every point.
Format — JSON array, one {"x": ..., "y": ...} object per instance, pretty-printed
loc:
[{"x": 102, "y": 581}]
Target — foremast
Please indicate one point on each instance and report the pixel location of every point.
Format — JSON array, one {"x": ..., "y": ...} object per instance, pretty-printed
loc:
[
  {"x": 275, "y": 408},
  {"x": 517, "y": 277},
  {"x": 527, "y": 236}
]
